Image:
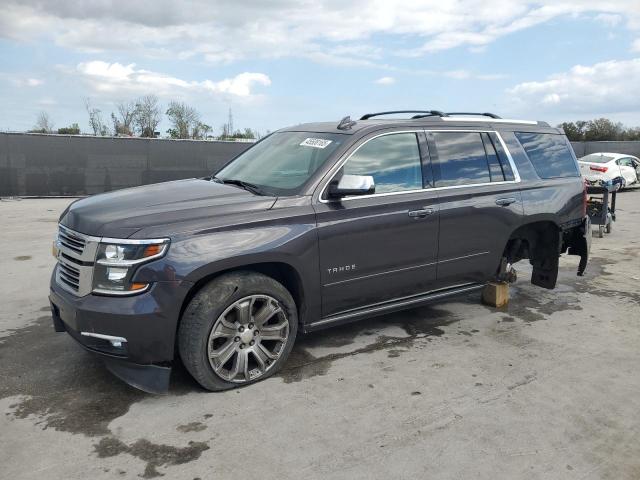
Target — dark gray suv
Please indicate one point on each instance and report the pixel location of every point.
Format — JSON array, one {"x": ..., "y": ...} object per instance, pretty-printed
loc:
[{"x": 313, "y": 226}]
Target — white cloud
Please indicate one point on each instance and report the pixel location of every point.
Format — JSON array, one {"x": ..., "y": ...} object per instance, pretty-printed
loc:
[
  {"x": 609, "y": 19},
  {"x": 115, "y": 77},
  {"x": 605, "y": 87},
  {"x": 385, "y": 81},
  {"x": 24, "y": 82},
  {"x": 636, "y": 45},
  {"x": 323, "y": 30}
]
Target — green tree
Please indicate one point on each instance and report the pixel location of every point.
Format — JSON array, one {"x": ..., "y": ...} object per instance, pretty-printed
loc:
[
  {"x": 574, "y": 131},
  {"x": 184, "y": 119},
  {"x": 73, "y": 129},
  {"x": 601, "y": 129}
]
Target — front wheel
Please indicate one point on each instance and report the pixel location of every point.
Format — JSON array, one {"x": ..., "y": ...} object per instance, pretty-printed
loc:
[{"x": 237, "y": 330}]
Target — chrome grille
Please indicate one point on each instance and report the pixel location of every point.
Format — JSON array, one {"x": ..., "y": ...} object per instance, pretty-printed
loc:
[
  {"x": 69, "y": 275},
  {"x": 71, "y": 241},
  {"x": 76, "y": 256}
]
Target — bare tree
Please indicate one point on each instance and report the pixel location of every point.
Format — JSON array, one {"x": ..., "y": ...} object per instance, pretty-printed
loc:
[
  {"x": 95, "y": 119},
  {"x": 43, "y": 123},
  {"x": 184, "y": 120},
  {"x": 200, "y": 131},
  {"x": 147, "y": 115},
  {"x": 124, "y": 120}
]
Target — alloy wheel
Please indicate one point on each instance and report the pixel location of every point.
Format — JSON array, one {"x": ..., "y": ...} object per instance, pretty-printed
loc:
[{"x": 247, "y": 338}]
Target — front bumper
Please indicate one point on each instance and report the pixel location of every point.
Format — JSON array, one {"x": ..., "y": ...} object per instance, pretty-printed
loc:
[{"x": 135, "y": 335}]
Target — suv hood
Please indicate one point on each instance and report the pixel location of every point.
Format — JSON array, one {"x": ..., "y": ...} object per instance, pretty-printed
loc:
[{"x": 122, "y": 213}]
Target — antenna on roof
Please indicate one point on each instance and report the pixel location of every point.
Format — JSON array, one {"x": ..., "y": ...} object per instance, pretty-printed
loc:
[{"x": 346, "y": 123}]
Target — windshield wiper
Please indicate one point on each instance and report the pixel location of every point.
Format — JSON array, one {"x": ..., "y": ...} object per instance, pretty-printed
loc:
[{"x": 250, "y": 187}]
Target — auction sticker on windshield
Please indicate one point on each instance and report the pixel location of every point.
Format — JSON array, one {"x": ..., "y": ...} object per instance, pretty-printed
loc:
[{"x": 315, "y": 142}]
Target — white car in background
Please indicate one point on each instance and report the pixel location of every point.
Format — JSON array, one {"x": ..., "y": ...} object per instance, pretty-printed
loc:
[{"x": 617, "y": 168}]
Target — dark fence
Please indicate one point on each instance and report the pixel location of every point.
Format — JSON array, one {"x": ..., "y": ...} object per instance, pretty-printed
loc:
[
  {"x": 585, "y": 148},
  {"x": 48, "y": 165}
]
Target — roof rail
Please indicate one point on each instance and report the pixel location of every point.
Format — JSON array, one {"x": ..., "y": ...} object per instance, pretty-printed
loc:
[
  {"x": 485, "y": 114},
  {"x": 346, "y": 123},
  {"x": 427, "y": 113}
]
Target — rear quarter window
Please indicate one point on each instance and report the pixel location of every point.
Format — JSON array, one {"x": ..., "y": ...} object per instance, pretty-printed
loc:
[{"x": 550, "y": 154}]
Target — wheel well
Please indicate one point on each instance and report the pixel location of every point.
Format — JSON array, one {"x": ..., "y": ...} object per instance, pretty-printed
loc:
[
  {"x": 281, "y": 272},
  {"x": 536, "y": 241}
]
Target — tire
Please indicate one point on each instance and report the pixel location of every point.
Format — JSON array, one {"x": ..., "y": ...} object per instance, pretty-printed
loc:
[
  {"x": 600, "y": 231},
  {"x": 609, "y": 226},
  {"x": 245, "y": 316}
]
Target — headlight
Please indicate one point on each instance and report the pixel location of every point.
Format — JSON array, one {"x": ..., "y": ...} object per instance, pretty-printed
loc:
[{"x": 117, "y": 260}]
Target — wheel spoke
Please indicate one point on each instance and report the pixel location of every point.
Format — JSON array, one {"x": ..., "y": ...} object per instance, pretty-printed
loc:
[
  {"x": 265, "y": 351},
  {"x": 244, "y": 310},
  {"x": 223, "y": 354},
  {"x": 273, "y": 332},
  {"x": 261, "y": 358},
  {"x": 240, "y": 366},
  {"x": 223, "y": 330},
  {"x": 265, "y": 313}
]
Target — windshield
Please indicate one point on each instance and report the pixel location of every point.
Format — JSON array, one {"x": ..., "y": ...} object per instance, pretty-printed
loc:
[
  {"x": 281, "y": 163},
  {"x": 596, "y": 158}
]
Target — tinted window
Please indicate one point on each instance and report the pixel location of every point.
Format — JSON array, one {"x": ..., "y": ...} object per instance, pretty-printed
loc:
[
  {"x": 392, "y": 160},
  {"x": 502, "y": 157},
  {"x": 461, "y": 159},
  {"x": 495, "y": 168},
  {"x": 550, "y": 154}
]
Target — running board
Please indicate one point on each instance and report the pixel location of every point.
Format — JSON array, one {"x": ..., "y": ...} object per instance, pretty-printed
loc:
[{"x": 388, "y": 307}]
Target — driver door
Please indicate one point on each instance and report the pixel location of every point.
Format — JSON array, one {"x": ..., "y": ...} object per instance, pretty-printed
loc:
[{"x": 380, "y": 247}]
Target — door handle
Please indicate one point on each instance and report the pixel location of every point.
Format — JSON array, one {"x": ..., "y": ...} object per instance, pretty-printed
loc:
[
  {"x": 423, "y": 212},
  {"x": 504, "y": 202}
]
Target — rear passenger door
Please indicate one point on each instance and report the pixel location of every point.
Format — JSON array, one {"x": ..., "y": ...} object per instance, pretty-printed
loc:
[{"x": 480, "y": 203}]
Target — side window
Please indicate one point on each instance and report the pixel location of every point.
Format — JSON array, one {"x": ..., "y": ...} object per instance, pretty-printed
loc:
[
  {"x": 502, "y": 156},
  {"x": 392, "y": 160},
  {"x": 625, "y": 162},
  {"x": 495, "y": 168},
  {"x": 549, "y": 153},
  {"x": 461, "y": 159}
]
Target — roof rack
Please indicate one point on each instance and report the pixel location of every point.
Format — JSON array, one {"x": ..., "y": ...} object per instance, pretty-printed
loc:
[
  {"x": 450, "y": 114},
  {"x": 485, "y": 114},
  {"x": 346, "y": 123},
  {"x": 425, "y": 113}
]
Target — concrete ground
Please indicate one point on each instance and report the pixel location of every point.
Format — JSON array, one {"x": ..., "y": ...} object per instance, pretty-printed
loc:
[{"x": 547, "y": 388}]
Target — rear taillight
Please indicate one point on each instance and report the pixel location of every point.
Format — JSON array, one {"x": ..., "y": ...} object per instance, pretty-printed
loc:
[{"x": 599, "y": 169}]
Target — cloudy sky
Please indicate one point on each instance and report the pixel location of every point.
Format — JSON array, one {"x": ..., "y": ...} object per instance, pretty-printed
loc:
[{"x": 281, "y": 62}]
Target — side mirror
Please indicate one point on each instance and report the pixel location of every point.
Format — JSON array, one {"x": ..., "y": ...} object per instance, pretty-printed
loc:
[{"x": 351, "y": 185}]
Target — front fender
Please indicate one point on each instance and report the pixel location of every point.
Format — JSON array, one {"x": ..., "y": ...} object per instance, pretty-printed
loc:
[{"x": 196, "y": 257}]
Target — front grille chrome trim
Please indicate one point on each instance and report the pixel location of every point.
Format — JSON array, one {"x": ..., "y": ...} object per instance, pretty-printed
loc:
[{"x": 76, "y": 257}]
